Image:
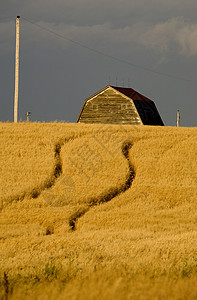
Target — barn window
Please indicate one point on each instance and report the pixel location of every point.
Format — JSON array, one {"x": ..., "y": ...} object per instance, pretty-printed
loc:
[{"x": 95, "y": 107}]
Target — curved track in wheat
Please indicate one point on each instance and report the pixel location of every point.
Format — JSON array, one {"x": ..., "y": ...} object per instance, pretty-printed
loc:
[
  {"x": 110, "y": 194},
  {"x": 94, "y": 201}
]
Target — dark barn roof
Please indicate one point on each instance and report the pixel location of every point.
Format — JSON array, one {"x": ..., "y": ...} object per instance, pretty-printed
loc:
[
  {"x": 129, "y": 92},
  {"x": 119, "y": 105}
]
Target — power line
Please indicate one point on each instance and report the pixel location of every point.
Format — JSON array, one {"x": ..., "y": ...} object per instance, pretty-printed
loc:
[{"x": 108, "y": 55}]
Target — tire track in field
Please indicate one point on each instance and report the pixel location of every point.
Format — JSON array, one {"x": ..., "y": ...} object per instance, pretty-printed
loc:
[
  {"x": 111, "y": 194},
  {"x": 48, "y": 183},
  {"x": 94, "y": 201}
]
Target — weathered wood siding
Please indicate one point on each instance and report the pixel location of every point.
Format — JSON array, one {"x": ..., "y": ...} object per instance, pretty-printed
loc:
[{"x": 109, "y": 107}]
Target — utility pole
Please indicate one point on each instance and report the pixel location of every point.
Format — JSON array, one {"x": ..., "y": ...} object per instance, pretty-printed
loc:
[
  {"x": 16, "y": 71},
  {"x": 28, "y": 114},
  {"x": 178, "y": 119}
]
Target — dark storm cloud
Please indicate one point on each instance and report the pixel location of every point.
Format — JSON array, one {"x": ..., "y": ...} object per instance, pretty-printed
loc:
[
  {"x": 155, "y": 24},
  {"x": 97, "y": 12},
  {"x": 158, "y": 34}
]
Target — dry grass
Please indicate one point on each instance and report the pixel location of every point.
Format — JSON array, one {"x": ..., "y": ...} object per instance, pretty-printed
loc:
[{"x": 140, "y": 245}]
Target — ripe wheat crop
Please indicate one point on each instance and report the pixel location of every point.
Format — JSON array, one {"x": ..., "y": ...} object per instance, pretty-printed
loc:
[{"x": 97, "y": 211}]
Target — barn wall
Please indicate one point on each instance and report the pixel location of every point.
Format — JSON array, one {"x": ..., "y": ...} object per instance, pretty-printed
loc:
[{"x": 109, "y": 107}]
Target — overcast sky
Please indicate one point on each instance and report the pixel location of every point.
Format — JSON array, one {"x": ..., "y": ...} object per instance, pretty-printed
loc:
[{"x": 154, "y": 41}]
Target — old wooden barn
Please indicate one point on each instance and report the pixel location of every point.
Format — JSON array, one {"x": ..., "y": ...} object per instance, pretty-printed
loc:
[{"x": 119, "y": 105}]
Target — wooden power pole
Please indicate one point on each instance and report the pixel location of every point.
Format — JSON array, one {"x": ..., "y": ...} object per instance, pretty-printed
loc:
[
  {"x": 28, "y": 114},
  {"x": 16, "y": 72},
  {"x": 178, "y": 119}
]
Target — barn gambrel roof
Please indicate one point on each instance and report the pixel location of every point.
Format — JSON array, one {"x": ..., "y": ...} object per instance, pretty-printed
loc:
[
  {"x": 132, "y": 94},
  {"x": 144, "y": 107}
]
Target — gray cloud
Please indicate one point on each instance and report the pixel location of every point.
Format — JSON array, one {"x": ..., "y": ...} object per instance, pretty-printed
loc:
[
  {"x": 83, "y": 12},
  {"x": 157, "y": 34},
  {"x": 161, "y": 36}
]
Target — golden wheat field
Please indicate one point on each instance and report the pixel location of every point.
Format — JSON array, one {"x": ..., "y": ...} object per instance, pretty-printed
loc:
[{"x": 97, "y": 212}]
